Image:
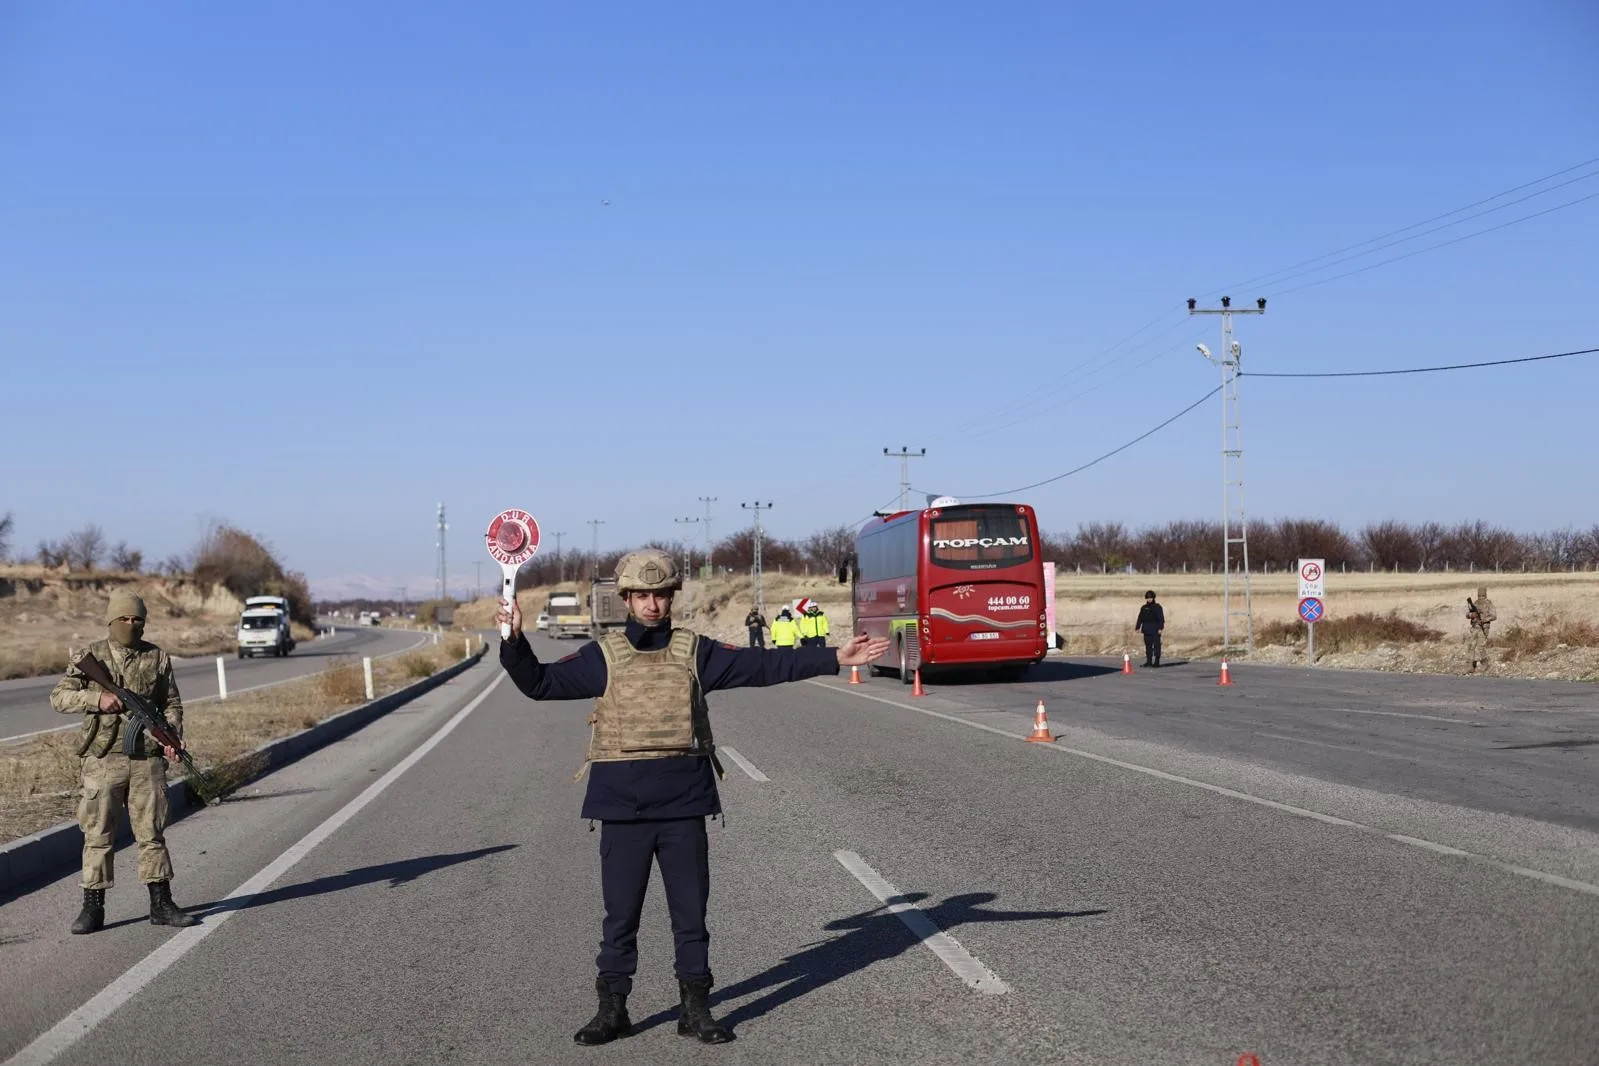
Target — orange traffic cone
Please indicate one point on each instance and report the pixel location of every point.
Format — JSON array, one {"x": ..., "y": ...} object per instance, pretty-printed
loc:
[
  {"x": 1226, "y": 678},
  {"x": 1041, "y": 733},
  {"x": 854, "y": 675},
  {"x": 1127, "y": 663},
  {"x": 916, "y": 685},
  {"x": 1248, "y": 1058}
]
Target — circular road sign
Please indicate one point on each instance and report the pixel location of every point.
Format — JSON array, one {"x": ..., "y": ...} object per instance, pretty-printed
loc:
[
  {"x": 1311, "y": 609},
  {"x": 513, "y": 537},
  {"x": 1310, "y": 572}
]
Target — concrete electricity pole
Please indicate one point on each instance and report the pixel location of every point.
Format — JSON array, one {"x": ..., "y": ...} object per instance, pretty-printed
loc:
[
  {"x": 709, "y": 544},
  {"x": 1234, "y": 518},
  {"x": 594, "y": 556},
  {"x": 560, "y": 560},
  {"x": 760, "y": 598},
  {"x": 905, "y": 455},
  {"x": 438, "y": 592},
  {"x": 688, "y": 555}
]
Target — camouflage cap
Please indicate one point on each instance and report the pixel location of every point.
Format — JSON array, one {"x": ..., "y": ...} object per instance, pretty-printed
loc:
[
  {"x": 649, "y": 570},
  {"x": 125, "y": 605}
]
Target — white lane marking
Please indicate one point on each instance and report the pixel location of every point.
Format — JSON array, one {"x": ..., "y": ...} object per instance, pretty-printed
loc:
[
  {"x": 1286, "y": 808},
  {"x": 743, "y": 763},
  {"x": 940, "y": 943},
  {"x": 103, "y": 1004},
  {"x": 231, "y": 692},
  {"x": 1403, "y": 714}
]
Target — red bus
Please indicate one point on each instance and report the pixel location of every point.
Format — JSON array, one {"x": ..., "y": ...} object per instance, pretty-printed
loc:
[{"x": 953, "y": 585}]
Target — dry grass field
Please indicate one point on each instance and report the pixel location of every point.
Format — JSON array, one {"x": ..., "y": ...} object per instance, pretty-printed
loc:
[
  {"x": 1548, "y": 624},
  {"x": 39, "y": 777}
]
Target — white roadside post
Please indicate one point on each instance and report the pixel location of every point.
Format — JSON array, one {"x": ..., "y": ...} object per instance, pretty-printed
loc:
[
  {"x": 512, "y": 539},
  {"x": 466, "y": 653},
  {"x": 222, "y": 678},
  {"x": 366, "y": 672},
  {"x": 1312, "y": 600}
]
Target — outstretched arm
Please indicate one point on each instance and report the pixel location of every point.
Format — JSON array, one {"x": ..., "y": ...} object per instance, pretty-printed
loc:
[
  {"x": 722, "y": 666},
  {"x": 582, "y": 675}
]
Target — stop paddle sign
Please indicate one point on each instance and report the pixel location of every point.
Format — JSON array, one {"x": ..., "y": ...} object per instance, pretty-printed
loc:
[{"x": 512, "y": 539}]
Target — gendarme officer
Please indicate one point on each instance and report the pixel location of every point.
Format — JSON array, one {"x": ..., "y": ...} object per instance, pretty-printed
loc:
[
  {"x": 113, "y": 780},
  {"x": 651, "y": 782}
]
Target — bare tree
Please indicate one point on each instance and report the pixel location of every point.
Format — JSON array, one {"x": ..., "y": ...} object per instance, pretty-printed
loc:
[
  {"x": 126, "y": 559},
  {"x": 174, "y": 565},
  {"x": 1390, "y": 544},
  {"x": 85, "y": 547},
  {"x": 828, "y": 549},
  {"x": 8, "y": 526},
  {"x": 1104, "y": 543},
  {"x": 51, "y": 554}
]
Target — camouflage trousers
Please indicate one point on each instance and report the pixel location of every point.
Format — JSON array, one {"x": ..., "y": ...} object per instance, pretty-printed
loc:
[
  {"x": 1477, "y": 645},
  {"x": 113, "y": 782}
]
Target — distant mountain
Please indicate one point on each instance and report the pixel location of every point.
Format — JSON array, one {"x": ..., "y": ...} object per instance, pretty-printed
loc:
[{"x": 374, "y": 587}]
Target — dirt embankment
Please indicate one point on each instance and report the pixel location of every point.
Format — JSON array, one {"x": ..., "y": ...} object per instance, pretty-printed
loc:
[
  {"x": 45, "y": 615},
  {"x": 1548, "y": 624}
]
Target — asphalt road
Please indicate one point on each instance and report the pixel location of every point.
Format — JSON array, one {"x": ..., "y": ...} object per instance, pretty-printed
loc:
[
  {"x": 1411, "y": 876},
  {"x": 25, "y": 702}
]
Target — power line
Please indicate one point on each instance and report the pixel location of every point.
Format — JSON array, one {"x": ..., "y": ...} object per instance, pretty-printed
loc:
[
  {"x": 1275, "y": 275},
  {"x": 1440, "y": 244},
  {"x": 1093, "y": 462},
  {"x": 1421, "y": 369}
]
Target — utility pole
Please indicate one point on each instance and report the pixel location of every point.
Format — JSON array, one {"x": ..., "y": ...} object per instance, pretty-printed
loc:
[
  {"x": 594, "y": 555},
  {"x": 560, "y": 560},
  {"x": 688, "y": 555},
  {"x": 905, "y": 455},
  {"x": 1234, "y": 518},
  {"x": 707, "y": 501},
  {"x": 760, "y": 598},
  {"x": 477, "y": 582},
  {"x": 438, "y": 593}
]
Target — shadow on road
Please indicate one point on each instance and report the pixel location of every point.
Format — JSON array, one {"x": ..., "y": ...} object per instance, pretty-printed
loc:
[
  {"x": 243, "y": 797},
  {"x": 395, "y": 873},
  {"x": 869, "y": 937}
]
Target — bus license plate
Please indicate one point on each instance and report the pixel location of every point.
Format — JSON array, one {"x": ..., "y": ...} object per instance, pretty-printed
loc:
[{"x": 985, "y": 636}]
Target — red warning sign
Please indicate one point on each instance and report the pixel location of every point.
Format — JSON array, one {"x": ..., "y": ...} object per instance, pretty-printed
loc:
[{"x": 513, "y": 537}]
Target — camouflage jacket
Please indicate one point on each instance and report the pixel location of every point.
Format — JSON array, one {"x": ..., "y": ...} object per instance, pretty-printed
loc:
[{"x": 144, "y": 670}]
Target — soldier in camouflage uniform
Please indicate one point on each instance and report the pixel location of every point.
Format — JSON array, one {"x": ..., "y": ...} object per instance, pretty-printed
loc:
[
  {"x": 113, "y": 780},
  {"x": 652, "y": 783},
  {"x": 1479, "y": 616}
]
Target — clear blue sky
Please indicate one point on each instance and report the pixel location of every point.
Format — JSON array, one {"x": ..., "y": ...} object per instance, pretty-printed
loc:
[{"x": 312, "y": 268}]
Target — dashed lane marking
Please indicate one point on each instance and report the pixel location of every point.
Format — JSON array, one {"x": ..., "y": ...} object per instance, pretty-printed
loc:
[{"x": 744, "y": 764}]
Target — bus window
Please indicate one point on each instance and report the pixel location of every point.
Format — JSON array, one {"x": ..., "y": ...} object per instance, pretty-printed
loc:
[{"x": 980, "y": 538}]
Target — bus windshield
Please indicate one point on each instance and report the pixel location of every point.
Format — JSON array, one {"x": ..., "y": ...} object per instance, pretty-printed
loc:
[{"x": 980, "y": 538}]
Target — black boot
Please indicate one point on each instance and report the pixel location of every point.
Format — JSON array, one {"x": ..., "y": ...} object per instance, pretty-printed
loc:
[
  {"x": 92, "y": 918},
  {"x": 694, "y": 1017},
  {"x": 611, "y": 1021},
  {"x": 163, "y": 911}
]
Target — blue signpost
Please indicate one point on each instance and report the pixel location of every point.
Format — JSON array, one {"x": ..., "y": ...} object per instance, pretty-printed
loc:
[{"x": 1311, "y": 610}]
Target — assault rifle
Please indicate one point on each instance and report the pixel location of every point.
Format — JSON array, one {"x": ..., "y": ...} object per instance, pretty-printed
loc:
[{"x": 143, "y": 718}]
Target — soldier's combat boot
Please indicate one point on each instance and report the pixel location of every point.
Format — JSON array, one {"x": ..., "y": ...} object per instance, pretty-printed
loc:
[
  {"x": 611, "y": 1021},
  {"x": 694, "y": 1017},
  {"x": 163, "y": 911},
  {"x": 92, "y": 918}
]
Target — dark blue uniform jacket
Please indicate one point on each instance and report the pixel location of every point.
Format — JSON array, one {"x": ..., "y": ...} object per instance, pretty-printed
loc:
[{"x": 677, "y": 786}]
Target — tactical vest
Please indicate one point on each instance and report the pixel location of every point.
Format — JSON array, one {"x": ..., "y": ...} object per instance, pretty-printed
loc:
[
  {"x": 653, "y": 706},
  {"x": 141, "y": 672}
]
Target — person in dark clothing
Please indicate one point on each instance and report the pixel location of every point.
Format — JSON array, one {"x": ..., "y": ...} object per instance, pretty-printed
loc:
[
  {"x": 755, "y": 623},
  {"x": 1151, "y": 620},
  {"x": 653, "y": 763}
]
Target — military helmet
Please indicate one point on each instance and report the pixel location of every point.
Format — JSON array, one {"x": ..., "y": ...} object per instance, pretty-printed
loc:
[
  {"x": 649, "y": 570},
  {"x": 125, "y": 604}
]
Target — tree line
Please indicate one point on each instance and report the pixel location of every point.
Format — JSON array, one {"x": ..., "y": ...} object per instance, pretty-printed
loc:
[
  {"x": 224, "y": 555},
  {"x": 1194, "y": 546}
]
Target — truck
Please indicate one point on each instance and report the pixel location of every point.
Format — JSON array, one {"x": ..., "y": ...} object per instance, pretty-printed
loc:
[
  {"x": 606, "y": 609},
  {"x": 565, "y": 615},
  {"x": 264, "y": 627}
]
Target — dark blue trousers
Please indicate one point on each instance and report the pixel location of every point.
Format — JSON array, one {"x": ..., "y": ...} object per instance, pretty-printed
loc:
[{"x": 627, "y": 849}]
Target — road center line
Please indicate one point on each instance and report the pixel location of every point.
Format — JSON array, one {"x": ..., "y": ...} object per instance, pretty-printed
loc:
[
  {"x": 743, "y": 763},
  {"x": 103, "y": 1004},
  {"x": 1403, "y": 714},
  {"x": 940, "y": 943},
  {"x": 1286, "y": 808}
]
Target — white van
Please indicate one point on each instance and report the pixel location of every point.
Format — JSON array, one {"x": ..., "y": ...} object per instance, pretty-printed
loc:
[{"x": 264, "y": 627}]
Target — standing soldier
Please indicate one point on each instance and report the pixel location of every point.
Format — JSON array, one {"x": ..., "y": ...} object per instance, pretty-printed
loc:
[
  {"x": 1151, "y": 620},
  {"x": 813, "y": 627},
  {"x": 652, "y": 783},
  {"x": 113, "y": 780},
  {"x": 755, "y": 623},
  {"x": 1479, "y": 616},
  {"x": 785, "y": 632}
]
